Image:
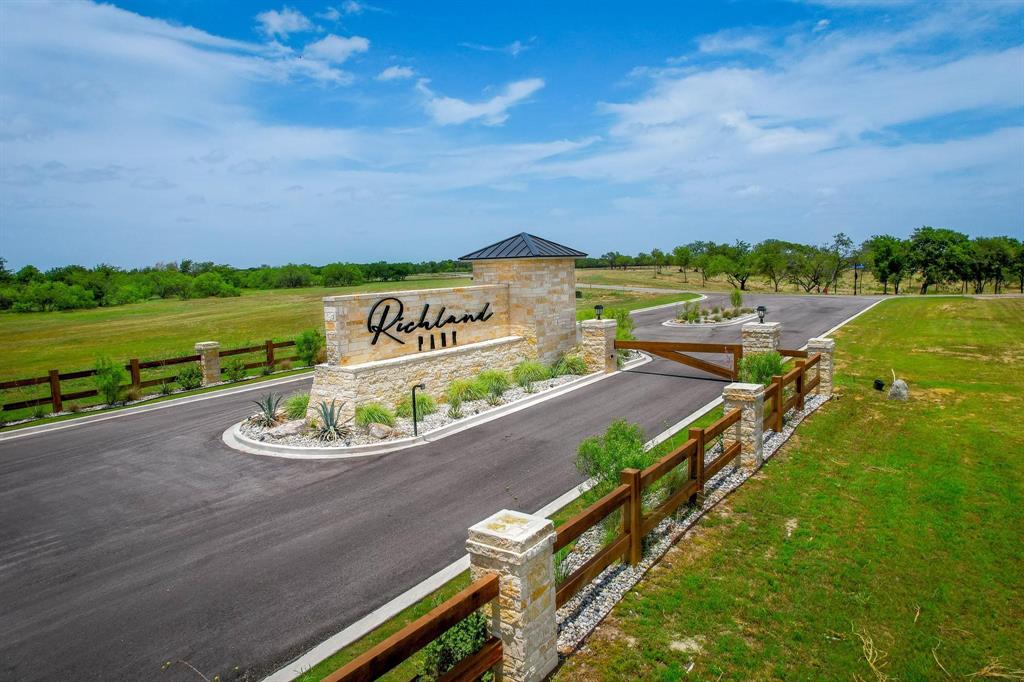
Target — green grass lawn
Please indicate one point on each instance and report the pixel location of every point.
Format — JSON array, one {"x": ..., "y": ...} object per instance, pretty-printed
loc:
[{"x": 883, "y": 542}]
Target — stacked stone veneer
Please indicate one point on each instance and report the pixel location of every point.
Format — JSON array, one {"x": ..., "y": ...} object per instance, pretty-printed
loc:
[
  {"x": 389, "y": 381},
  {"x": 542, "y": 300},
  {"x": 749, "y": 431},
  {"x": 761, "y": 337},
  {"x": 518, "y": 548},
  {"x": 597, "y": 345},
  {"x": 349, "y": 341},
  {"x": 827, "y": 348},
  {"x": 209, "y": 361}
]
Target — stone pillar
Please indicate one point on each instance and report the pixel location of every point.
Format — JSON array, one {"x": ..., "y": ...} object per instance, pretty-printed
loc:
[
  {"x": 599, "y": 345},
  {"x": 750, "y": 429},
  {"x": 761, "y": 338},
  {"x": 518, "y": 548},
  {"x": 209, "y": 360},
  {"x": 826, "y": 347}
]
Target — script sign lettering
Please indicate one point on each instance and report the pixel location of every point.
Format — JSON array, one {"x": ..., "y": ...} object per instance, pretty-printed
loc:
[{"x": 387, "y": 318}]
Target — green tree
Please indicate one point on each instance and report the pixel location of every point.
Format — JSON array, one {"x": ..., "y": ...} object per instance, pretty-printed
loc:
[
  {"x": 887, "y": 257},
  {"x": 935, "y": 254},
  {"x": 771, "y": 260},
  {"x": 682, "y": 256}
]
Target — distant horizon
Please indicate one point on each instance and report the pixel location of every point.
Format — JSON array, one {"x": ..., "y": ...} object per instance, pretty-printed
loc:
[{"x": 314, "y": 132}]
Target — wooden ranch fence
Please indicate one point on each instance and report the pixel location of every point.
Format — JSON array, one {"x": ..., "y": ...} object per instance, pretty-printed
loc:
[
  {"x": 403, "y": 644},
  {"x": 797, "y": 377},
  {"x": 628, "y": 497},
  {"x": 54, "y": 378}
]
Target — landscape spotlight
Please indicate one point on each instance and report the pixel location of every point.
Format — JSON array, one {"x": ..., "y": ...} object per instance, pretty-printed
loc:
[
  {"x": 761, "y": 310},
  {"x": 598, "y": 309},
  {"x": 415, "y": 430}
]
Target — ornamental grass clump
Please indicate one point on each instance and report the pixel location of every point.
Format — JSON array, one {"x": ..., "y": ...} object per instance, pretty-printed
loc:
[
  {"x": 375, "y": 413},
  {"x": 759, "y": 368},
  {"x": 328, "y": 425},
  {"x": 527, "y": 372},
  {"x": 296, "y": 406},
  {"x": 570, "y": 364},
  {"x": 736, "y": 298},
  {"x": 424, "y": 405},
  {"x": 268, "y": 406},
  {"x": 494, "y": 381},
  {"x": 464, "y": 390},
  {"x": 235, "y": 369}
]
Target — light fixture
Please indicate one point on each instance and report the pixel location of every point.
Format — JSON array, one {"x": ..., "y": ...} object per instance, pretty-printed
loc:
[
  {"x": 761, "y": 310},
  {"x": 415, "y": 429},
  {"x": 598, "y": 309}
]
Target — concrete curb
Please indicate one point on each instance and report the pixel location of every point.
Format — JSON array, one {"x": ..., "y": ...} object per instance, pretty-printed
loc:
[
  {"x": 749, "y": 317},
  {"x": 234, "y": 438}
]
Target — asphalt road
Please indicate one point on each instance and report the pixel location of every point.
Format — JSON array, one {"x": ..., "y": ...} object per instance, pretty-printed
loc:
[{"x": 128, "y": 542}]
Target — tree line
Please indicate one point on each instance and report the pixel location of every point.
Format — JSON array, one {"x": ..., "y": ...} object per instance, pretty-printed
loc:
[
  {"x": 932, "y": 255},
  {"x": 73, "y": 286}
]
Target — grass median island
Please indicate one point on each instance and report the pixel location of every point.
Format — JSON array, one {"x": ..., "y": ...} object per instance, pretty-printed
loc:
[{"x": 882, "y": 542}]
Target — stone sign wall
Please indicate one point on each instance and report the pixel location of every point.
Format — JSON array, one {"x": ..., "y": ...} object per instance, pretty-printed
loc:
[{"x": 368, "y": 327}]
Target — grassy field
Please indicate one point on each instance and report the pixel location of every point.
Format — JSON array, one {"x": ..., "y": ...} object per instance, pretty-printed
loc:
[
  {"x": 883, "y": 542},
  {"x": 671, "y": 278}
]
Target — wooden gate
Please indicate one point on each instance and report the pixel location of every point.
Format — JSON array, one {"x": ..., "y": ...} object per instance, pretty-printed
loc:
[{"x": 670, "y": 350}]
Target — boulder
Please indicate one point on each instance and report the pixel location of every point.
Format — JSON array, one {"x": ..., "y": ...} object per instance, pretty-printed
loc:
[
  {"x": 289, "y": 428},
  {"x": 899, "y": 390},
  {"x": 381, "y": 431}
]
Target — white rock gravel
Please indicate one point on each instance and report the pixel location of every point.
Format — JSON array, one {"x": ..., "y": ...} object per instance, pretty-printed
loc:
[
  {"x": 581, "y": 614},
  {"x": 403, "y": 426}
]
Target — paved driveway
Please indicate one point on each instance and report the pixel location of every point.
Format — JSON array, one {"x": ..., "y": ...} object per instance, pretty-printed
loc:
[{"x": 131, "y": 541}]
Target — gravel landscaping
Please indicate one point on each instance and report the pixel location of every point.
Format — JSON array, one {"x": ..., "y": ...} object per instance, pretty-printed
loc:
[
  {"x": 581, "y": 614},
  {"x": 295, "y": 433}
]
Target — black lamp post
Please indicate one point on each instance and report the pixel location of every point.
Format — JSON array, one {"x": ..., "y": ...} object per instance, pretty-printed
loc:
[
  {"x": 761, "y": 310},
  {"x": 415, "y": 429},
  {"x": 598, "y": 309}
]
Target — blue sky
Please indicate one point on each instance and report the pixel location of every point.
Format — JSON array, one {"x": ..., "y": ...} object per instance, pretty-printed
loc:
[{"x": 252, "y": 133}]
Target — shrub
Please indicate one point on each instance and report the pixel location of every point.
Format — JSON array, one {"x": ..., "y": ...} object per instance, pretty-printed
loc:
[
  {"x": 570, "y": 364},
  {"x": 736, "y": 298},
  {"x": 759, "y": 368},
  {"x": 623, "y": 324},
  {"x": 74, "y": 408},
  {"x": 690, "y": 312},
  {"x": 235, "y": 369},
  {"x": 328, "y": 425},
  {"x": 212, "y": 284},
  {"x": 133, "y": 393},
  {"x": 295, "y": 406},
  {"x": 465, "y": 389},
  {"x": 266, "y": 370},
  {"x": 424, "y": 405},
  {"x": 529, "y": 371},
  {"x": 494, "y": 382},
  {"x": 110, "y": 380},
  {"x": 268, "y": 407},
  {"x": 190, "y": 377},
  {"x": 375, "y": 413},
  {"x": 603, "y": 457},
  {"x": 459, "y": 641},
  {"x": 166, "y": 387},
  {"x": 38, "y": 412},
  {"x": 284, "y": 365},
  {"x": 308, "y": 345}
]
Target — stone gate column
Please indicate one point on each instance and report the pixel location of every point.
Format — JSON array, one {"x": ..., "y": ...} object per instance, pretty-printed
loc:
[
  {"x": 599, "y": 345},
  {"x": 749, "y": 431},
  {"x": 518, "y": 548},
  {"x": 761, "y": 338},
  {"x": 209, "y": 360},
  {"x": 826, "y": 347}
]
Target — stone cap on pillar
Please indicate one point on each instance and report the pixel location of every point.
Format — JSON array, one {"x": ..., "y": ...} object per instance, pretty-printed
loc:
[
  {"x": 761, "y": 326},
  {"x": 600, "y": 324},
  {"x": 207, "y": 345},
  {"x": 741, "y": 391},
  {"x": 512, "y": 535},
  {"x": 821, "y": 343}
]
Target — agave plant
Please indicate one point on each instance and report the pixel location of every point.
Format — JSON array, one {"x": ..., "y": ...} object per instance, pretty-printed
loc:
[
  {"x": 267, "y": 414},
  {"x": 328, "y": 426}
]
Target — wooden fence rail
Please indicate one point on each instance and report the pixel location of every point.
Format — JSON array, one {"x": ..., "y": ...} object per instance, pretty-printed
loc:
[
  {"x": 775, "y": 394},
  {"x": 54, "y": 378},
  {"x": 403, "y": 644}
]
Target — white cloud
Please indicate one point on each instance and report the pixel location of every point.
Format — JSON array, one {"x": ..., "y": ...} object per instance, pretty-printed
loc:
[
  {"x": 393, "y": 73},
  {"x": 515, "y": 48},
  {"x": 336, "y": 49},
  {"x": 329, "y": 14},
  {"x": 352, "y": 7},
  {"x": 275, "y": 23},
  {"x": 821, "y": 25},
  {"x": 449, "y": 110}
]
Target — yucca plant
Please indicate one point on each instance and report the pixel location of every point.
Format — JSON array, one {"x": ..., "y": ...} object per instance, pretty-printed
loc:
[
  {"x": 328, "y": 426},
  {"x": 455, "y": 408},
  {"x": 494, "y": 398},
  {"x": 267, "y": 414}
]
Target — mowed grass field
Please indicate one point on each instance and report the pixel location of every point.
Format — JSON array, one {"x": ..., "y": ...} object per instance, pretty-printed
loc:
[{"x": 883, "y": 542}]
